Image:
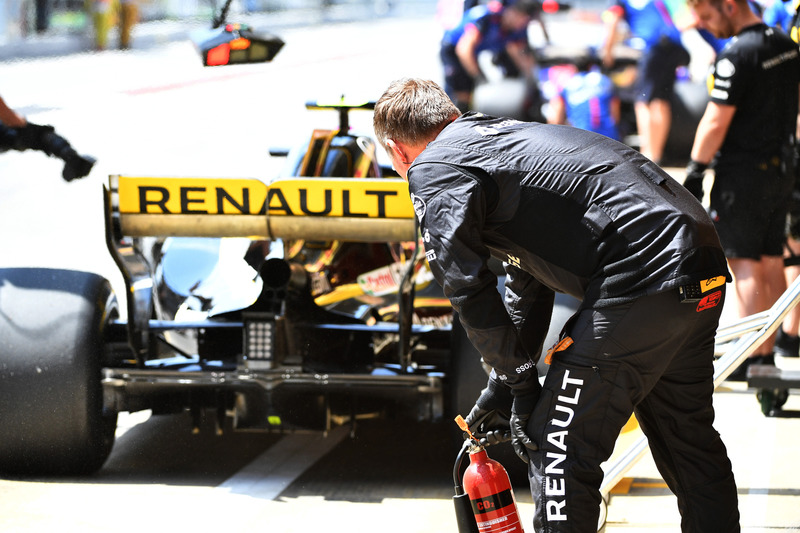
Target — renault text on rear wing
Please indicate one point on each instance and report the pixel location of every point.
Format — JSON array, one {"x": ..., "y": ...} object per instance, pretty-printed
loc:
[{"x": 367, "y": 210}]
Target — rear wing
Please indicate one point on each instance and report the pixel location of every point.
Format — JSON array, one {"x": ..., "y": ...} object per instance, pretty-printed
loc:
[
  {"x": 320, "y": 209},
  {"x": 346, "y": 209}
]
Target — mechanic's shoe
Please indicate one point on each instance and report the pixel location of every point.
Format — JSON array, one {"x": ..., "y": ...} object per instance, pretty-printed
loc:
[
  {"x": 786, "y": 345},
  {"x": 740, "y": 374},
  {"x": 77, "y": 166}
]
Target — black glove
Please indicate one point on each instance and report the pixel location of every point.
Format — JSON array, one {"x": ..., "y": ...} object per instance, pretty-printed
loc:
[
  {"x": 525, "y": 400},
  {"x": 489, "y": 418},
  {"x": 695, "y": 172},
  {"x": 32, "y": 137}
]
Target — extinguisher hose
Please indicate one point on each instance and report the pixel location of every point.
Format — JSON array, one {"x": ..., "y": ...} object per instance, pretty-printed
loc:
[{"x": 458, "y": 469}]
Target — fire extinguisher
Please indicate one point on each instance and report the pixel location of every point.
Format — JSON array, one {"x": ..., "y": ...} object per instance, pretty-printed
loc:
[{"x": 484, "y": 499}]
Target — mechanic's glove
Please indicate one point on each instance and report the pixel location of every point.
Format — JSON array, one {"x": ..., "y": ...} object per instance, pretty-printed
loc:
[
  {"x": 695, "y": 172},
  {"x": 31, "y": 137},
  {"x": 489, "y": 418},
  {"x": 521, "y": 409}
]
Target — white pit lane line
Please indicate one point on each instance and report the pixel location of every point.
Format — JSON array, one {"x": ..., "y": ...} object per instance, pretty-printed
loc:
[{"x": 273, "y": 471}]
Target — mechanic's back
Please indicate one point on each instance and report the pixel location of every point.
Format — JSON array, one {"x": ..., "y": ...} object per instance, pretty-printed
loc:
[{"x": 625, "y": 229}]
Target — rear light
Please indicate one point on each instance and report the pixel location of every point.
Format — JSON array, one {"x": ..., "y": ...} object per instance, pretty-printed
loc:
[{"x": 259, "y": 340}]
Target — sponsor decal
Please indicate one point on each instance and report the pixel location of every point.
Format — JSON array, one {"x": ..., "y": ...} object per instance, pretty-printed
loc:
[
  {"x": 430, "y": 255},
  {"x": 724, "y": 68},
  {"x": 719, "y": 94},
  {"x": 555, "y": 489},
  {"x": 386, "y": 280},
  {"x": 495, "y": 129},
  {"x": 419, "y": 206},
  {"x": 779, "y": 59},
  {"x": 524, "y": 367},
  {"x": 337, "y": 197},
  {"x": 711, "y": 283},
  {"x": 709, "y": 301},
  {"x": 513, "y": 260}
]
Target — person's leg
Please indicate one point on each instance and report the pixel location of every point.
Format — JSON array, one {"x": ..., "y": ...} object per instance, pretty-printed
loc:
[
  {"x": 749, "y": 205},
  {"x": 677, "y": 416},
  {"x": 787, "y": 339},
  {"x": 758, "y": 284},
  {"x": 576, "y": 423},
  {"x": 617, "y": 357},
  {"x": 660, "y": 124},
  {"x": 642, "y": 112},
  {"x": 129, "y": 14}
]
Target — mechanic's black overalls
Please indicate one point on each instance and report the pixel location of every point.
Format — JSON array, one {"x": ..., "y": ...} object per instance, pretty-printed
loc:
[
  {"x": 575, "y": 212},
  {"x": 652, "y": 357}
]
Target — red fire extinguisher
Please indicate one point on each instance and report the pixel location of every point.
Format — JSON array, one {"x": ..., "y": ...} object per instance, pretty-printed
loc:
[{"x": 488, "y": 490}]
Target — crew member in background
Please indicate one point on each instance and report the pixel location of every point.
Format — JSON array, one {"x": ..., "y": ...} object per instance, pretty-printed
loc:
[
  {"x": 487, "y": 27},
  {"x": 748, "y": 131},
  {"x": 588, "y": 100},
  {"x": 106, "y": 13},
  {"x": 128, "y": 17},
  {"x": 787, "y": 339},
  {"x": 16, "y": 133},
  {"x": 655, "y": 32}
]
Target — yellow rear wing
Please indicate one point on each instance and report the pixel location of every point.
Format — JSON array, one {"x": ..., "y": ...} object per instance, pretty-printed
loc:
[{"x": 346, "y": 209}]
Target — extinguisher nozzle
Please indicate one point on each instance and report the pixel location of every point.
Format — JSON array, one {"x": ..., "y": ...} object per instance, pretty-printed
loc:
[{"x": 465, "y": 519}]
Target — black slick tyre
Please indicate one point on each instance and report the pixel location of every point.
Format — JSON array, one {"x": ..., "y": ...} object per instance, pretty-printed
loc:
[{"x": 51, "y": 352}]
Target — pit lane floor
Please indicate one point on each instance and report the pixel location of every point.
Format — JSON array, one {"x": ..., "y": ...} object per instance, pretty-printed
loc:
[{"x": 390, "y": 476}]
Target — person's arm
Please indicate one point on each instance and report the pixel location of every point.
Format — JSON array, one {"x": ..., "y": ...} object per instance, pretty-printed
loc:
[
  {"x": 453, "y": 221},
  {"x": 558, "y": 110},
  {"x": 612, "y": 17},
  {"x": 530, "y": 305},
  {"x": 11, "y": 118},
  {"x": 466, "y": 50},
  {"x": 711, "y": 131},
  {"x": 708, "y": 139},
  {"x": 539, "y": 18},
  {"x": 521, "y": 56}
]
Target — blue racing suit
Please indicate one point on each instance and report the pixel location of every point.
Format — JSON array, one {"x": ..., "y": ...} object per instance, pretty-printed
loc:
[{"x": 588, "y": 101}]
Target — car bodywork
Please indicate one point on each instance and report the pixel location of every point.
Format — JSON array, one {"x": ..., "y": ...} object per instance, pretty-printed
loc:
[
  {"x": 347, "y": 336},
  {"x": 301, "y": 303}
]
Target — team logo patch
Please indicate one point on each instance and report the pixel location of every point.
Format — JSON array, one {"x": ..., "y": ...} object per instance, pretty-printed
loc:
[
  {"x": 724, "y": 68},
  {"x": 712, "y": 283},
  {"x": 419, "y": 206},
  {"x": 712, "y": 300}
]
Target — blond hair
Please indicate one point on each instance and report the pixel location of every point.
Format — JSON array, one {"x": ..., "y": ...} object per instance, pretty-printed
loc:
[{"x": 412, "y": 111}]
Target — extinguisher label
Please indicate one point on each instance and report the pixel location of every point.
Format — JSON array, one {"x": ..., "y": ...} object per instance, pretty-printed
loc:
[{"x": 492, "y": 503}]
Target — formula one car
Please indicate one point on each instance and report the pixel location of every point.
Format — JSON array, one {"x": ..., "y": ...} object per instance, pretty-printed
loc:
[
  {"x": 298, "y": 304},
  {"x": 301, "y": 303}
]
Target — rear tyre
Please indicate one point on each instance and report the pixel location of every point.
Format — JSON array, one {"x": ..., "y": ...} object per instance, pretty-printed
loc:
[{"x": 51, "y": 352}]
